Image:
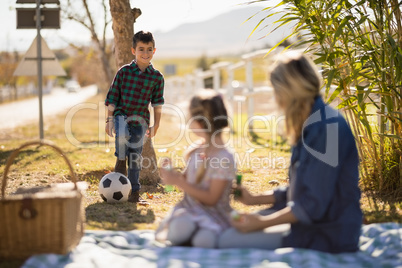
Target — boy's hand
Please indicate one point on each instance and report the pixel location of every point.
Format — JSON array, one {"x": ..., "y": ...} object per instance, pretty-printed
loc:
[
  {"x": 110, "y": 128},
  {"x": 151, "y": 132}
]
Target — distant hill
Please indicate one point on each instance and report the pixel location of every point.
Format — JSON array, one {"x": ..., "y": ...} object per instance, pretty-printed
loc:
[{"x": 222, "y": 35}]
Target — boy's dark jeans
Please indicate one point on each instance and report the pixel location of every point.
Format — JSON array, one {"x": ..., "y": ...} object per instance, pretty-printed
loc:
[{"x": 129, "y": 142}]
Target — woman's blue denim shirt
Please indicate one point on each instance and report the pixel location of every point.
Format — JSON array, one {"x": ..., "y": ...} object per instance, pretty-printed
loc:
[{"x": 323, "y": 190}]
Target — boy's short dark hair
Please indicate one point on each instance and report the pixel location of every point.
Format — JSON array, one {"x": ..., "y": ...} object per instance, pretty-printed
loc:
[{"x": 144, "y": 37}]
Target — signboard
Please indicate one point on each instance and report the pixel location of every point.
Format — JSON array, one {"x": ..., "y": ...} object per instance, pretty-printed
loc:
[
  {"x": 38, "y": 18},
  {"x": 50, "y": 18},
  {"x": 42, "y": 2},
  {"x": 29, "y": 64}
]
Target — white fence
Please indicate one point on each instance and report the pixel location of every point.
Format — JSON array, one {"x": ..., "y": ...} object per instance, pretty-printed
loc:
[
  {"x": 182, "y": 88},
  {"x": 9, "y": 93}
]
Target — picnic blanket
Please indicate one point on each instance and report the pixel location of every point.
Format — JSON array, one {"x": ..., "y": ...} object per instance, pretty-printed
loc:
[{"x": 380, "y": 246}]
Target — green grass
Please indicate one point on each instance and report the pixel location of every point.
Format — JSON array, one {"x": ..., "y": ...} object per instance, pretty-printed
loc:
[{"x": 91, "y": 153}]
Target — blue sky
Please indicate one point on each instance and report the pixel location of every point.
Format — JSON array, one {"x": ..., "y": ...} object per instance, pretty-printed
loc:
[{"x": 157, "y": 15}]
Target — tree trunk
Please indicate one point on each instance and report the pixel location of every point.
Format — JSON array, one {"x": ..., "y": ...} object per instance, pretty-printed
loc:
[{"x": 123, "y": 18}]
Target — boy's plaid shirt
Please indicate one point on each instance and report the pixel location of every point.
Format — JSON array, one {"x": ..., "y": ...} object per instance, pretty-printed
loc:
[{"x": 133, "y": 90}]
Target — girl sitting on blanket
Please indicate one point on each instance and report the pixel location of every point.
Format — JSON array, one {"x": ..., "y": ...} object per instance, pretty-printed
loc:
[
  {"x": 321, "y": 202},
  {"x": 204, "y": 212}
]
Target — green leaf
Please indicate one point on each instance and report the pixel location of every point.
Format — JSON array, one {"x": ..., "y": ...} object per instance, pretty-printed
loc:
[
  {"x": 335, "y": 93},
  {"x": 330, "y": 77},
  {"x": 280, "y": 42},
  {"x": 341, "y": 26},
  {"x": 366, "y": 125},
  {"x": 390, "y": 136}
]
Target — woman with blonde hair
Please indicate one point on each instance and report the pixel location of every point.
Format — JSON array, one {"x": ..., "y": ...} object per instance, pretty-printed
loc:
[{"x": 320, "y": 208}]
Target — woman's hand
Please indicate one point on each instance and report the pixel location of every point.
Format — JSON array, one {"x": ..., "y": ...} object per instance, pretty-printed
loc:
[
  {"x": 248, "y": 199},
  {"x": 245, "y": 197},
  {"x": 249, "y": 223},
  {"x": 254, "y": 222}
]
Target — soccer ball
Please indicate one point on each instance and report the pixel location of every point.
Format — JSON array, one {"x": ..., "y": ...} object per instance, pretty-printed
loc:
[{"x": 114, "y": 187}]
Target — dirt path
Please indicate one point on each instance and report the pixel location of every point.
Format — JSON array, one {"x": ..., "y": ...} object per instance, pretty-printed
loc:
[{"x": 17, "y": 113}]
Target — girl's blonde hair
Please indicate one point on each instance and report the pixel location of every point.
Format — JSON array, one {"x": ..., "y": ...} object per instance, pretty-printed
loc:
[
  {"x": 296, "y": 83},
  {"x": 209, "y": 110}
]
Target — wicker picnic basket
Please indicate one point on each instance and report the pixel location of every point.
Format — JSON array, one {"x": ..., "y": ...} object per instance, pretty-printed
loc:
[{"x": 40, "y": 220}]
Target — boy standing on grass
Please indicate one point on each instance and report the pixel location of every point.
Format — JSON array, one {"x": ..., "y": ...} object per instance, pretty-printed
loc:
[{"x": 135, "y": 86}]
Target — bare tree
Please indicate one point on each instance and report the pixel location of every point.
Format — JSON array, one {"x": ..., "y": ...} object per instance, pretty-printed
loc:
[
  {"x": 123, "y": 17},
  {"x": 85, "y": 17}
]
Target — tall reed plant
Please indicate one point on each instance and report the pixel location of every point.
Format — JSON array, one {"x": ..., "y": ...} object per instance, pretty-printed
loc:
[{"x": 358, "y": 45}]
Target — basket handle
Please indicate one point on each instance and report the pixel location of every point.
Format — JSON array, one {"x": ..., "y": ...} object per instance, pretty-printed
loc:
[{"x": 40, "y": 143}]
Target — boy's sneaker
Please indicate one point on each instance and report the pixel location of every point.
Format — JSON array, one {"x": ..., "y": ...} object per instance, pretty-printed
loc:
[
  {"x": 136, "y": 198},
  {"x": 121, "y": 167}
]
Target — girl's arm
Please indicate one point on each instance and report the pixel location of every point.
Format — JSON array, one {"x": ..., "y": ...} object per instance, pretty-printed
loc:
[
  {"x": 208, "y": 197},
  {"x": 254, "y": 222}
]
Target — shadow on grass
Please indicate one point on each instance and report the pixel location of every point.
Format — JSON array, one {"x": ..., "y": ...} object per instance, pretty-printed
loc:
[
  {"x": 280, "y": 143},
  {"x": 11, "y": 263},
  {"x": 383, "y": 209},
  {"x": 93, "y": 177},
  {"x": 382, "y": 216},
  {"x": 117, "y": 216},
  {"x": 4, "y": 155}
]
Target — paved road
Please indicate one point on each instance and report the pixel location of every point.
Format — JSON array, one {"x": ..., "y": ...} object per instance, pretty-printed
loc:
[{"x": 18, "y": 113}]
